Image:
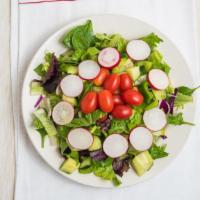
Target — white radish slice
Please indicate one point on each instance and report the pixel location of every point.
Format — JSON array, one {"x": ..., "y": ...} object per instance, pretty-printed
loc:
[
  {"x": 155, "y": 119},
  {"x": 141, "y": 138},
  {"x": 88, "y": 69},
  {"x": 71, "y": 85},
  {"x": 109, "y": 57},
  {"x": 138, "y": 50},
  {"x": 115, "y": 145},
  {"x": 158, "y": 79},
  {"x": 80, "y": 138},
  {"x": 63, "y": 113}
]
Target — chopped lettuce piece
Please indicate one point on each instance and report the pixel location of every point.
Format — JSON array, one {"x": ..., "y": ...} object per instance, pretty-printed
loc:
[
  {"x": 186, "y": 90},
  {"x": 124, "y": 64},
  {"x": 36, "y": 88},
  {"x": 152, "y": 40},
  {"x": 182, "y": 99},
  {"x": 177, "y": 119}
]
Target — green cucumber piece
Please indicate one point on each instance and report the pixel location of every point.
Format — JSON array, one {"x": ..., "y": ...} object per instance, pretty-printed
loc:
[
  {"x": 142, "y": 163},
  {"x": 70, "y": 100},
  {"x": 46, "y": 122},
  {"x": 133, "y": 72},
  {"x": 86, "y": 170},
  {"x": 36, "y": 88},
  {"x": 96, "y": 144},
  {"x": 69, "y": 166}
]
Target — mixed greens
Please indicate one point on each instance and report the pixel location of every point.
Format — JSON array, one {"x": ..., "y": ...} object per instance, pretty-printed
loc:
[{"x": 106, "y": 102}]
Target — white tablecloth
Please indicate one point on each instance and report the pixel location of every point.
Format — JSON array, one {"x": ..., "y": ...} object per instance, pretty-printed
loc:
[{"x": 31, "y": 25}]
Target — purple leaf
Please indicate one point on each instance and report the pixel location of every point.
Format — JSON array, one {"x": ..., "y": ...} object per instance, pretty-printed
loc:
[
  {"x": 165, "y": 106},
  {"x": 98, "y": 155},
  {"x": 52, "y": 76},
  {"x": 120, "y": 166},
  {"x": 172, "y": 100}
]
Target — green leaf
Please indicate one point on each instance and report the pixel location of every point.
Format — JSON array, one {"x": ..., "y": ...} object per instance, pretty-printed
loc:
[
  {"x": 90, "y": 54},
  {"x": 118, "y": 126},
  {"x": 78, "y": 122},
  {"x": 147, "y": 93},
  {"x": 62, "y": 135},
  {"x": 186, "y": 90},
  {"x": 42, "y": 133},
  {"x": 177, "y": 119},
  {"x": 158, "y": 151},
  {"x": 152, "y": 40},
  {"x": 105, "y": 170},
  {"x": 80, "y": 37},
  {"x": 182, "y": 99},
  {"x": 135, "y": 120},
  {"x": 54, "y": 99},
  {"x": 74, "y": 155},
  {"x": 37, "y": 124}
]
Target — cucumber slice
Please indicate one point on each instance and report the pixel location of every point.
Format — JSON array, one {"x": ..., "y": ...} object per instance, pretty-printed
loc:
[
  {"x": 142, "y": 163},
  {"x": 69, "y": 166},
  {"x": 36, "y": 88},
  {"x": 122, "y": 66},
  {"x": 72, "y": 70},
  {"x": 70, "y": 100},
  {"x": 96, "y": 145},
  {"x": 46, "y": 122},
  {"x": 134, "y": 72}
]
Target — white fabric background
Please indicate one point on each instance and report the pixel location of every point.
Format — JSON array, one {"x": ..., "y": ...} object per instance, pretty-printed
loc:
[{"x": 31, "y": 25}]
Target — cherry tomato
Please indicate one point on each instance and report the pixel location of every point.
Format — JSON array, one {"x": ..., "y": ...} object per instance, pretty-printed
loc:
[
  {"x": 112, "y": 82},
  {"x": 132, "y": 97},
  {"x": 98, "y": 81},
  {"x": 117, "y": 100},
  {"x": 121, "y": 112},
  {"x": 125, "y": 82},
  {"x": 105, "y": 100},
  {"x": 89, "y": 102}
]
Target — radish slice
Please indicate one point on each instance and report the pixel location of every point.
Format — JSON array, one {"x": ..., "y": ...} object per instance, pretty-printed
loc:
[
  {"x": 155, "y": 119},
  {"x": 63, "y": 113},
  {"x": 109, "y": 57},
  {"x": 141, "y": 138},
  {"x": 115, "y": 145},
  {"x": 158, "y": 79},
  {"x": 80, "y": 138},
  {"x": 138, "y": 50},
  {"x": 88, "y": 69},
  {"x": 71, "y": 85}
]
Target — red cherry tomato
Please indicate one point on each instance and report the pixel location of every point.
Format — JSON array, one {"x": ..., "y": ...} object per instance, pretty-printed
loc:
[
  {"x": 98, "y": 81},
  {"x": 117, "y": 100},
  {"x": 125, "y": 82},
  {"x": 121, "y": 112},
  {"x": 132, "y": 97},
  {"x": 105, "y": 100},
  {"x": 135, "y": 88},
  {"x": 112, "y": 82},
  {"x": 89, "y": 102}
]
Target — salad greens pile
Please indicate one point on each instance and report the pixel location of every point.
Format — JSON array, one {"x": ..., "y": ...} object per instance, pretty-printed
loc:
[{"x": 50, "y": 119}]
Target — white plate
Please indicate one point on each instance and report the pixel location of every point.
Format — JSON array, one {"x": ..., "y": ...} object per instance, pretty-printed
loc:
[{"x": 130, "y": 28}]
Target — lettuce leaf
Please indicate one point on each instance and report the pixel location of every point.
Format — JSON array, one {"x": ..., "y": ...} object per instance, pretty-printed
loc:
[
  {"x": 158, "y": 151},
  {"x": 177, "y": 119},
  {"x": 80, "y": 37},
  {"x": 152, "y": 40}
]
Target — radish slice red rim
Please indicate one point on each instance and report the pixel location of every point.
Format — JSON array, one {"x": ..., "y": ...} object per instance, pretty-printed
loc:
[
  {"x": 109, "y": 57},
  {"x": 158, "y": 79},
  {"x": 155, "y": 119},
  {"x": 115, "y": 145},
  {"x": 141, "y": 138},
  {"x": 88, "y": 69},
  {"x": 138, "y": 50},
  {"x": 71, "y": 85},
  {"x": 63, "y": 113},
  {"x": 80, "y": 138}
]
